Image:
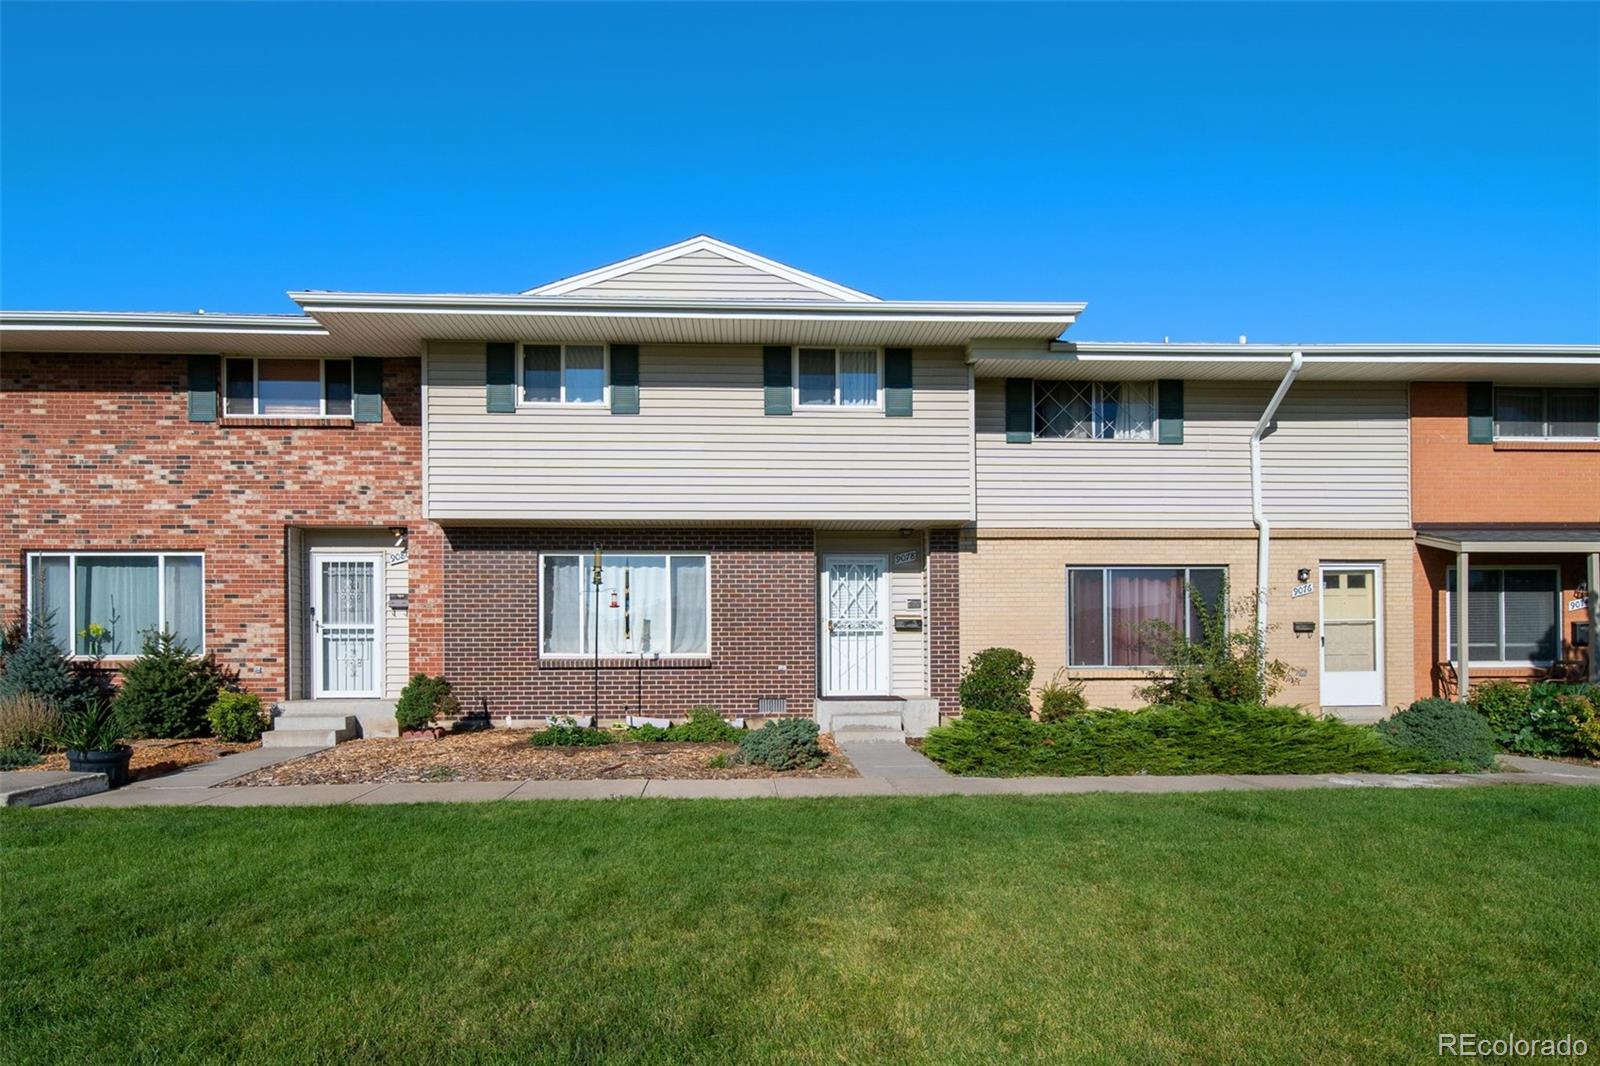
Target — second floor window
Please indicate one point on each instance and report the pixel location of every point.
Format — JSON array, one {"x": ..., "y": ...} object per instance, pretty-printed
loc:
[
  {"x": 1524, "y": 412},
  {"x": 564, "y": 373},
  {"x": 1094, "y": 410},
  {"x": 287, "y": 388},
  {"x": 838, "y": 377}
]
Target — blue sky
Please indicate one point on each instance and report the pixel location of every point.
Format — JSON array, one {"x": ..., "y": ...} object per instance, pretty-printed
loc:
[{"x": 1292, "y": 172}]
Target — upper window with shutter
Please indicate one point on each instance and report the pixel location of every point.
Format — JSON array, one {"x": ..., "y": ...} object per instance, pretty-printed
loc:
[
  {"x": 838, "y": 378},
  {"x": 563, "y": 373},
  {"x": 1523, "y": 412},
  {"x": 287, "y": 388},
  {"x": 1094, "y": 410}
]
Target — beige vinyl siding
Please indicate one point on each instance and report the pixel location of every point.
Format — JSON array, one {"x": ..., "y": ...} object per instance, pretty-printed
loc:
[
  {"x": 702, "y": 275},
  {"x": 908, "y": 652},
  {"x": 299, "y": 686},
  {"x": 396, "y": 581},
  {"x": 700, "y": 448},
  {"x": 1338, "y": 459}
]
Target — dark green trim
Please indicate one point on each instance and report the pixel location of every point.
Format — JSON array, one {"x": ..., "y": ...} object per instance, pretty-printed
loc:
[
  {"x": 1019, "y": 410},
  {"x": 624, "y": 379},
  {"x": 897, "y": 382},
  {"x": 367, "y": 378},
  {"x": 1480, "y": 412},
  {"x": 1169, "y": 411},
  {"x": 500, "y": 375},
  {"x": 202, "y": 388},
  {"x": 777, "y": 379}
]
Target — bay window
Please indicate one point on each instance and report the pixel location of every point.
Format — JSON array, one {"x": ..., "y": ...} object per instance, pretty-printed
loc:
[
  {"x": 1094, "y": 410},
  {"x": 1513, "y": 615},
  {"x": 103, "y": 603},
  {"x": 838, "y": 377},
  {"x": 645, "y": 606},
  {"x": 1110, "y": 610},
  {"x": 287, "y": 388},
  {"x": 564, "y": 373}
]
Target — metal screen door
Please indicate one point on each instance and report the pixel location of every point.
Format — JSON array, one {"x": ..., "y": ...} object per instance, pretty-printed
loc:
[
  {"x": 344, "y": 625},
  {"x": 855, "y": 639}
]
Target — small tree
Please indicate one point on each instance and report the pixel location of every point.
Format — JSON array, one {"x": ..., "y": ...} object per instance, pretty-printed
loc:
[
  {"x": 167, "y": 690},
  {"x": 35, "y": 666},
  {"x": 997, "y": 679},
  {"x": 1223, "y": 665},
  {"x": 423, "y": 700}
]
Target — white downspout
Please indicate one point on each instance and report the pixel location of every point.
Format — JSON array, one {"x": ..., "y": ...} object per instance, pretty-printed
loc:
[{"x": 1258, "y": 514}]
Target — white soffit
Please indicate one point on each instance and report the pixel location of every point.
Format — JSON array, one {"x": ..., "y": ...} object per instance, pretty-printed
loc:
[
  {"x": 163, "y": 333},
  {"x": 704, "y": 264}
]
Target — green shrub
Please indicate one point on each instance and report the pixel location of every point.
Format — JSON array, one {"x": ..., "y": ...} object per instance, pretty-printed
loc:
[
  {"x": 424, "y": 700},
  {"x": 95, "y": 726},
  {"x": 1505, "y": 705},
  {"x": 1586, "y": 727},
  {"x": 237, "y": 717},
  {"x": 167, "y": 690},
  {"x": 17, "y": 758},
  {"x": 1210, "y": 738},
  {"x": 705, "y": 726},
  {"x": 782, "y": 744},
  {"x": 37, "y": 667},
  {"x": 28, "y": 723},
  {"x": 569, "y": 734},
  {"x": 649, "y": 733},
  {"x": 1223, "y": 664},
  {"x": 1443, "y": 729},
  {"x": 1060, "y": 699},
  {"x": 997, "y": 679}
]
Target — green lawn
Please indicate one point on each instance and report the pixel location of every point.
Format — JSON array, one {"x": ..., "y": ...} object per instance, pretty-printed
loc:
[{"x": 1334, "y": 926}]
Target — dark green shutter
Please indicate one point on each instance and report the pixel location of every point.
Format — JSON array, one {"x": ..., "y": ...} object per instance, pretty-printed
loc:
[
  {"x": 624, "y": 379},
  {"x": 897, "y": 382},
  {"x": 1480, "y": 412},
  {"x": 1019, "y": 410},
  {"x": 500, "y": 370},
  {"x": 776, "y": 379},
  {"x": 367, "y": 373},
  {"x": 202, "y": 388},
  {"x": 1169, "y": 411}
]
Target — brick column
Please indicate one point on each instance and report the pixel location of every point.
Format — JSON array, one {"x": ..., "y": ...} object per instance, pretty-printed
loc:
[{"x": 944, "y": 619}]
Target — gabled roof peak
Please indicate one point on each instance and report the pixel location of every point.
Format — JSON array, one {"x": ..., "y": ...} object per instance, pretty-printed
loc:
[{"x": 701, "y": 267}]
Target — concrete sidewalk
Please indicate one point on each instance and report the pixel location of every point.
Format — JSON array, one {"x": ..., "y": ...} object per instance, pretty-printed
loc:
[{"x": 887, "y": 769}]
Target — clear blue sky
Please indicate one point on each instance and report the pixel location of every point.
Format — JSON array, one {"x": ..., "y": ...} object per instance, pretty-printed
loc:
[{"x": 1293, "y": 172}]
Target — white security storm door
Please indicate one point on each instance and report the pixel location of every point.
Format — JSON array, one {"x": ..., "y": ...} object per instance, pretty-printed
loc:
[
  {"x": 346, "y": 626},
  {"x": 855, "y": 631},
  {"x": 1352, "y": 636}
]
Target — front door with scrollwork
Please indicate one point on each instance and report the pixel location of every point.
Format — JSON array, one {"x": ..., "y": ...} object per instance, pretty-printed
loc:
[
  {"x": 855, "y": 632},
  {"x": 345, "y": 634}
]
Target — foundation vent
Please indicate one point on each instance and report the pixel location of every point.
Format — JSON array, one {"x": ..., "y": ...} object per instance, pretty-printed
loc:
[{"x": 772, "y": 705}]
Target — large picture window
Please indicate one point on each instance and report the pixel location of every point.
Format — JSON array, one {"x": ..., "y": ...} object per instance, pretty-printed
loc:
[
  {"x": 1094, "y": 410},
  {"x": 838, "y": 377},
  {"x": 1514, "y": 615},
  {"x": 1109, "y": 610},
  {"x": 287, "y": 388},
  {"x": 1528, "y": 413},
  {"x": 564, "y": 373},
  {"x": 105, "y": 603},
  {"x": 649, "y": 605}
]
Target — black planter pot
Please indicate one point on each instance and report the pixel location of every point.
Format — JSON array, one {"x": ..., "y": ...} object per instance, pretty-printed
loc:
[{"x": 114, "y": 763}]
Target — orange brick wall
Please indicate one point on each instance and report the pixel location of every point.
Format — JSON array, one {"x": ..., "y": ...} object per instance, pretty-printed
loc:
[{"x": 1472, "y": 484}]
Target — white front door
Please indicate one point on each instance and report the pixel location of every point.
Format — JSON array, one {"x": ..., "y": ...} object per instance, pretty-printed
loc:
[
  {"x": 1352, "y": 635},
  {"x": 855, "y": 632},
  {"x": 346, "y": 625}
]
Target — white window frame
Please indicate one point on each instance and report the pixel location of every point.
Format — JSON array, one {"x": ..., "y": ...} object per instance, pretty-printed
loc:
[
  {"x": 72, "y": 592},
  {"x": 605, "y": 370},
  {"x": 794, "y": 371},
  {"x": 1450, "y": 616},
  {"x": 586, "y": 623},
  {"x": 1105, "y": 604},
  {"x": 1095, "y": 402},
  {"x": 1545, "y": 410},
  {"x": 255, "y": 386}
]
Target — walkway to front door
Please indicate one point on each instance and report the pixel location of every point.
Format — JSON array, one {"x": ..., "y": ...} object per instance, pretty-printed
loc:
[{"x": 855, "y": 631}]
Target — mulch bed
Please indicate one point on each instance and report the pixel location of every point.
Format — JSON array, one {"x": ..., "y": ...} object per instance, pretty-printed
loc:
[
  {"x": 506, "y": 755},
  {"x": 152, "y": 758}
]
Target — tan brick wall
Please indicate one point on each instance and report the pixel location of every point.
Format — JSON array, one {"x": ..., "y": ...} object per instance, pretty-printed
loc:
[{"x": 1013, "y": 594}]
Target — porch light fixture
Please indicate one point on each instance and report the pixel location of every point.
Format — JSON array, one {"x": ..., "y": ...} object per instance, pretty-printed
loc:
[
  {"x": 1305, "y": 574},
  {"x": 905, "y": 531}
]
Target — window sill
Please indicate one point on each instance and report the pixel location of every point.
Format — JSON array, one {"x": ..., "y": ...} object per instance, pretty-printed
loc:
[
  {"x": 1115, "y": 673},
  {"x": 1553, "y": 445},
  {"x": 272, "y": 422},
  {"x": 580, "y": 663}
]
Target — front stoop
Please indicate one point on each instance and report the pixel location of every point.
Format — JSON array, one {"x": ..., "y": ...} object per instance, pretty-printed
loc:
[
  {"x": 877, "y": 719},
  {"x": 322, "y": 723}
]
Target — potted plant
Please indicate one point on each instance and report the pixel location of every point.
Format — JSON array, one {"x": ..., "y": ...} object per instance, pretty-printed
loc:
[{"x": 92, "y": 734}]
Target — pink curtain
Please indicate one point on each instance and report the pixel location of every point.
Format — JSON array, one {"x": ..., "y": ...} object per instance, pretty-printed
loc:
[{"x": 1137, "y": 597}]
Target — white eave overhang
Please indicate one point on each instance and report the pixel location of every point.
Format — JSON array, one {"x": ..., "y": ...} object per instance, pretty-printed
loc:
[
  {"x": 383, "y": 323},
  {"x": 1545, "y": 363},
  {"x": 161, "y": 332}
]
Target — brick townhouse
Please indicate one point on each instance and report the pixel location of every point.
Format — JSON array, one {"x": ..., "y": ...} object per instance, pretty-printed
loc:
[{"x": 803, "y": 499}]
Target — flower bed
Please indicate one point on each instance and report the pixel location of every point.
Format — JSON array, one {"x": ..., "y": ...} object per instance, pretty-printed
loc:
[
  {"x": 152, "y": 758},
  {"x": 506, "y": 755}
]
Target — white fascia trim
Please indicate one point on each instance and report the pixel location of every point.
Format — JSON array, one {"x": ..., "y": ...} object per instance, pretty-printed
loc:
[
  {"x": 138, "y": 322},
  {"x": 1346, "y": 352},
  {"x": 474, "y": 303},
  {"x": 702, "y": 242}
]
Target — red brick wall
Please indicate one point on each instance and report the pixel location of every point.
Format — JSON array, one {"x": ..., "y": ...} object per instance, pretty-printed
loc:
[
  {"x": 763, "y": 625},
  {"x": 96, "y": 452},
  {"x": 944, "y": 619},
  {"x": 1471, "y": 484}
]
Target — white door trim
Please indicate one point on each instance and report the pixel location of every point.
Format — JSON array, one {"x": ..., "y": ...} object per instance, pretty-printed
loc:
[
  {"x": 1376, "y": 570},
  {"x": 379, "y": 577},
  {"x": 825, "y": 659}
]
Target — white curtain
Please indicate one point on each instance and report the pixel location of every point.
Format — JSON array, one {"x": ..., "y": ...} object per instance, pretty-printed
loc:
[
  {"x": 118, "y": 593},
  {"x": 185, "y": 597},
  {"x": 858, "y": 377},
  {"x": 586, "y": 373},
  {"x": 564, "y": 588},
  {"x": 689, "y": 605},
  {"x": 647, "y": 603},
  {"x": 1135, "y": 410},
  {"x": 52, "y": 599}
]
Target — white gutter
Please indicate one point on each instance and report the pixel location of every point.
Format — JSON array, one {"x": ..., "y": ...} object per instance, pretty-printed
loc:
[{"x": 1258, "y": 513}]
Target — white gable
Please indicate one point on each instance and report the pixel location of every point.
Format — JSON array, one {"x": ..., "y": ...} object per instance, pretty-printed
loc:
[{"x": 701, "y": 268}]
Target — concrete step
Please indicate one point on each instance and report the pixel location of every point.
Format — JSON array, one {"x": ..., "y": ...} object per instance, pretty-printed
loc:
[
  {"x": 374, "y": 718},
  {"x": 914, "y": 716},
  {"x": 884, "y": 734},
  {"x": 866, "y": 720},
  {"x": 304, "y": 738},
  {"x": 314, "y": 721}
]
